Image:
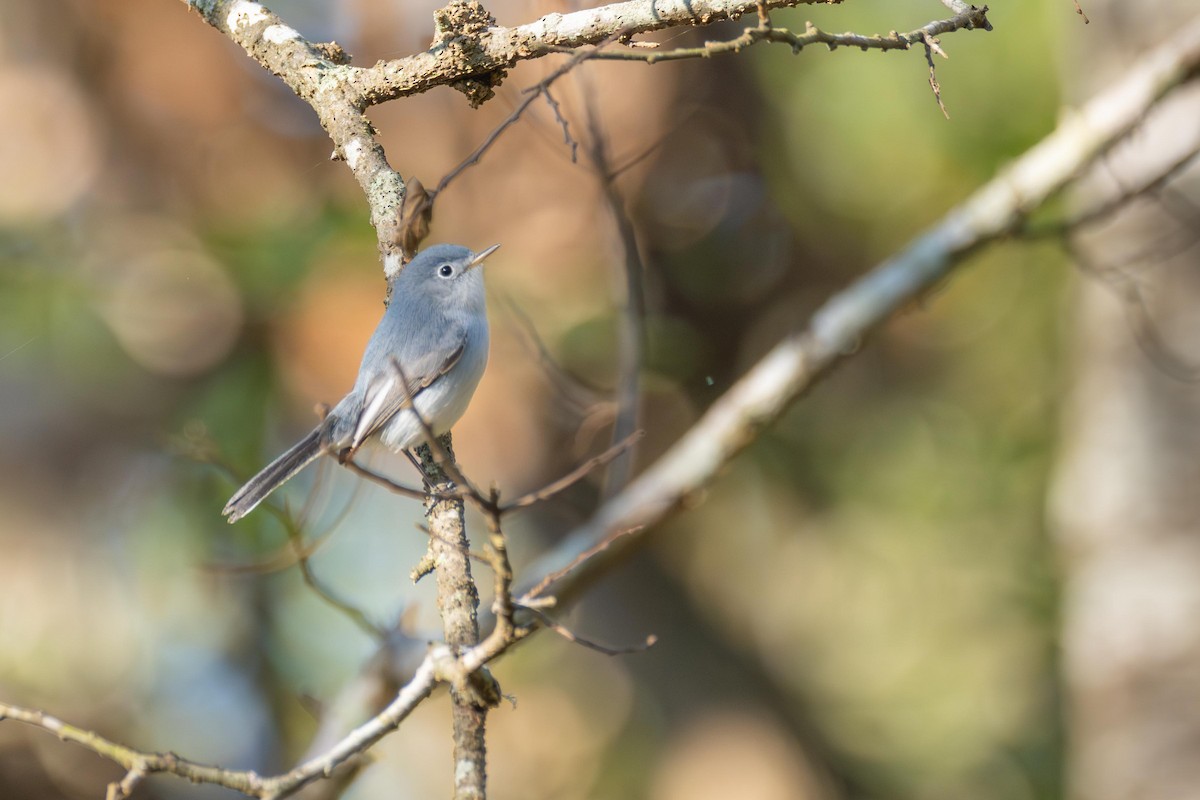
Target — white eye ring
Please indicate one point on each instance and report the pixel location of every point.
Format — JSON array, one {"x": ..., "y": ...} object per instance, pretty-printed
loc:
[{"x": 445, "y": 270}]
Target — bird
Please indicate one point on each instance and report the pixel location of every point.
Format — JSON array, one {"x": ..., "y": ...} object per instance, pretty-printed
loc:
[{"x": 427, "y": 353}]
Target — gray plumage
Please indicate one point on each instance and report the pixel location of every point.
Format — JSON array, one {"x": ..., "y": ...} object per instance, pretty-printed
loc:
[{"x": 434, "y": 334}]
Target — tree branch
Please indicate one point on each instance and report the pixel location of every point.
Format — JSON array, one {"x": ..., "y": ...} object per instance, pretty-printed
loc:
[
  {"x": 458, "y": 604},
  {"x": 437, "y": 665},
  {"x": 499, "y": 47},
  {"x": 971, "y": 18}
]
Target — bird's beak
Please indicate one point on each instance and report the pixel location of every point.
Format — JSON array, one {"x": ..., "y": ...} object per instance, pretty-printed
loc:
[{"x": 480, "y": 256}]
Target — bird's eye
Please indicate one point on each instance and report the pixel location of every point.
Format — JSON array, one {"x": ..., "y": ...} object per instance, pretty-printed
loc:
[{"x": 445, "y": 270}]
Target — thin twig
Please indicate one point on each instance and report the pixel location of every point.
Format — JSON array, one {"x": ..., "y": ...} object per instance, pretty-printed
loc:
[
  {"x": 502, "y": 604},
  {"x": 572, "y": 477},
  {"x": 529, "y": 597},
  {"x": 575, "y": 390},
  {"x": 566, "y": 633},
  {"x": 931, "y": 46},
  {"x": 351, "y": 611},
  {"x": 531, "y": 93},
  {"x": 568, "y": 140},
  {"x": 122, "y": 789},
  {"x": 301, "y": 553},
  {"x": 631, "y": 331},
  {"x": 439, "y": 665},
  {"x": 393, "y": 486}
]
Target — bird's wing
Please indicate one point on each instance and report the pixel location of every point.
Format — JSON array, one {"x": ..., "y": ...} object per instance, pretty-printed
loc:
[{"x": 397, "y": 385}]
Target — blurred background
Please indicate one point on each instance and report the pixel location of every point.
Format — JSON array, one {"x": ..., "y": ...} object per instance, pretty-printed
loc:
[{"x": 877, "y": 600}]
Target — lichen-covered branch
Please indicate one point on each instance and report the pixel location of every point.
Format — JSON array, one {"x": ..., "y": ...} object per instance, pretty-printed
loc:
[
  {"x": 458, "y": 604},
  {"x": 500, "y": 47}
]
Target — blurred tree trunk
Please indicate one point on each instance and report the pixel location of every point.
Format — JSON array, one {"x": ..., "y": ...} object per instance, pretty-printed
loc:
[{"x": 1126, "y": 498}]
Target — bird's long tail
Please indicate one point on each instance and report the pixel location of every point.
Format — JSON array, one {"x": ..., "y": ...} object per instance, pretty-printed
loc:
[{"x": 273, "y": 476}]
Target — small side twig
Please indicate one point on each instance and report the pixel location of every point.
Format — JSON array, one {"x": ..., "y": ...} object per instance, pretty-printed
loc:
[
  {"x": 393, "y": 486},
  {"x": 530, "y": 598},
  {"x": 568, "y": 140},
  {"x": 501, "y": 568},
  {"x": 301, "y": 553},
  {"x": 122, "y": 789},
  {"x": 566, "y": 633},
  {"x": 931, "y": 47},
  {"x": 351, "y": 611},
  {"x": 572, "y": 477},
  {"x": 631, "y": 332}
]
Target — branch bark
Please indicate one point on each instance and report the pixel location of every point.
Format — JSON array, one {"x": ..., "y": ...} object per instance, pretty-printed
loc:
[{"x": 458, "y": 604}]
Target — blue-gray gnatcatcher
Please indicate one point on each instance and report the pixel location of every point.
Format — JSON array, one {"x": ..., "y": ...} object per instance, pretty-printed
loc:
[{"x": 427, "y": 353}]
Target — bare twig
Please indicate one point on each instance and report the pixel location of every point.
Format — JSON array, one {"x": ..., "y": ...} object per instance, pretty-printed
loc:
[
  {"x": 931, "y": 47},
  {"x": 572, "y": 477},
  {"x": 1124, "y": 285},
  {"x": 499, "y": 47},
  {"x": 438, "y": 666},
  {"x": 566, "y": 633},
  {"x": 568, "y": 140},
  {"x": 572, "y": 389},
  {"x": 501, "y": 569},
  {"x": 531, "y": 94},
  {"x": 631, "y": 331},
  {"x": 122, "y": 789},
  {"x": 301, "y": 552},
  {"x": 351, "y": 611},
  {"x": 393, "y": 486},
  {"x": 531, "y": 596},
  {"x": 1079, "y": 11}
]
